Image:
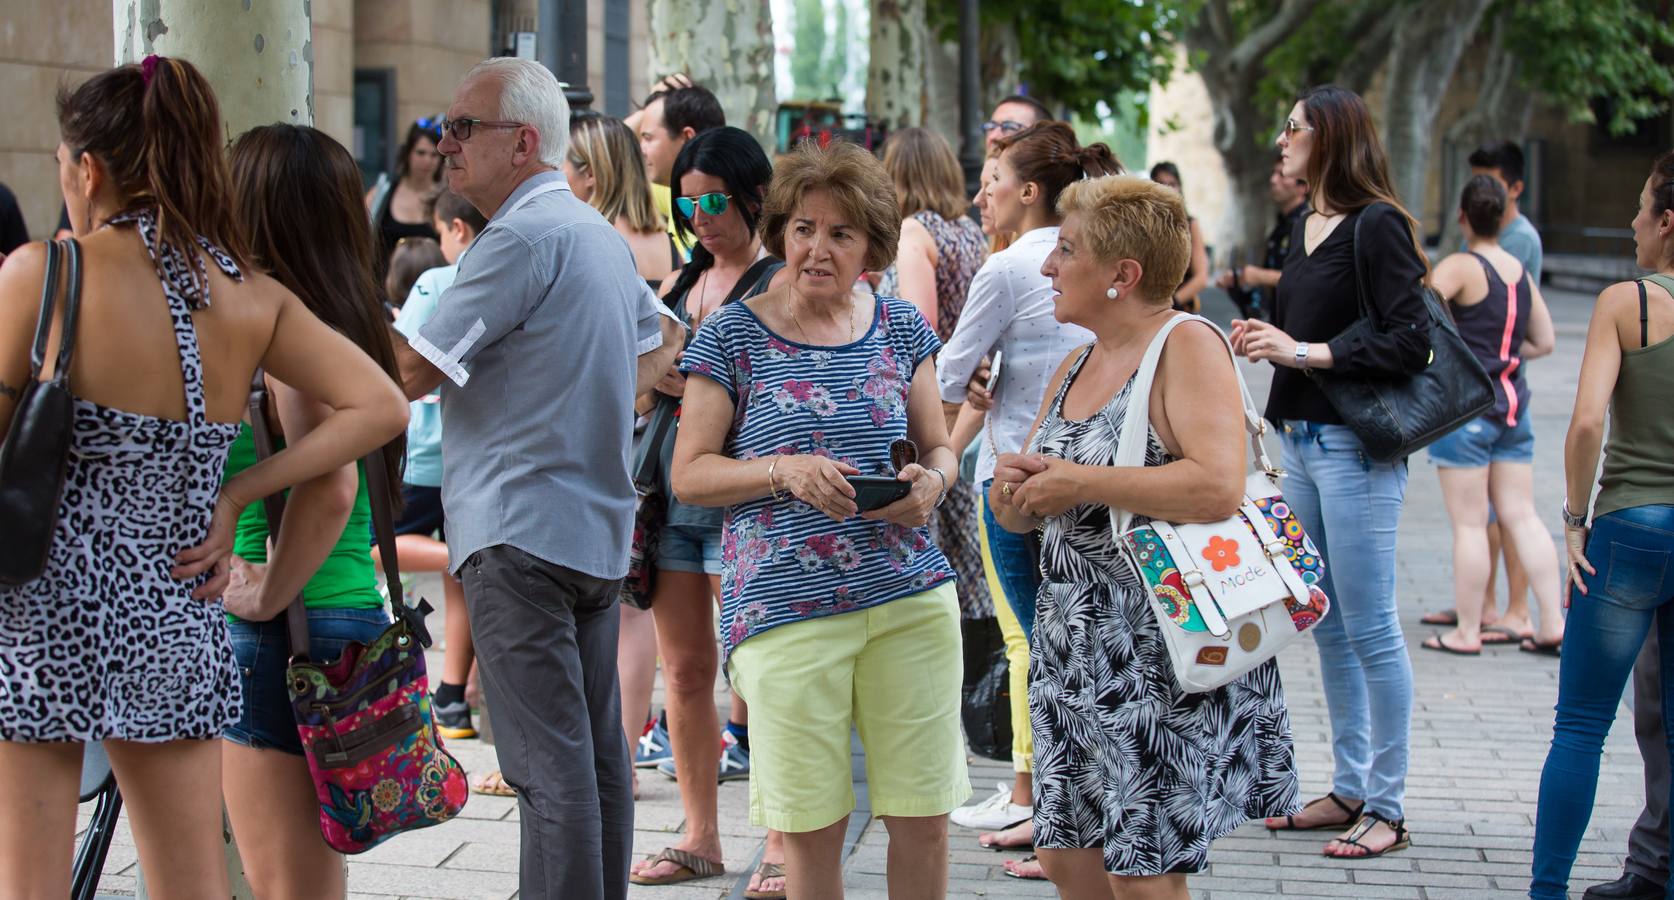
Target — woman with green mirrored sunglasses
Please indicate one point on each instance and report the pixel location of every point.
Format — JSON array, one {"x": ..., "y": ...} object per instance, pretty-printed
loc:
[{"x": 712, "y": 204}]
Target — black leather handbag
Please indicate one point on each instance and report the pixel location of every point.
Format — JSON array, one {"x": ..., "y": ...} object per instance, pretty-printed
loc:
[
  {"x": 1395, "y": 416},
  {"x": 37, "y": 446}
]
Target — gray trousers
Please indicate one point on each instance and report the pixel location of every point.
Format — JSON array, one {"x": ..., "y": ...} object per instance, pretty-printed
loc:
[
  {"x": 1648, "y": 843},
  {"x": 546, "y": 650}
]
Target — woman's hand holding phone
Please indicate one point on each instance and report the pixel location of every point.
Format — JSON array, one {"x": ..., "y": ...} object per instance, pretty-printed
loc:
[
  {"x": 914, "y": 509},
  {"x": 819, "y": 482}
]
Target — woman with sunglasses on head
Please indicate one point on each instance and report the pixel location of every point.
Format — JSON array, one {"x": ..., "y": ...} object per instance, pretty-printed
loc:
[
  {"x": 605, "y": 168},
  {"x": 832, "y": 616},
  {"x": 1347, "y": 502},
  {"x": 295, "y": 191},
  {"x": 397, "y": 206},
  {"x": 121, "y": 639},
  {"x": 720, "y": 182}
]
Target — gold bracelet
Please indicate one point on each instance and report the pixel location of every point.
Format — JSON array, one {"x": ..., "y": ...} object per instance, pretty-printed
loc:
[{"x": 770, "y": 486}]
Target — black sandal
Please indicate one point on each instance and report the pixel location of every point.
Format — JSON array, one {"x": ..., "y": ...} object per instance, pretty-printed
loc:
[
  {"x": 1367, "y": 822},
  {"x": 1353, "y": 814}
]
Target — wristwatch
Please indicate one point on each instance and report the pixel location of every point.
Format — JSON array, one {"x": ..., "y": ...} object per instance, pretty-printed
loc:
[
  {"x": 1572, "y": 520},
  {"x": 1302, "y": 355}
]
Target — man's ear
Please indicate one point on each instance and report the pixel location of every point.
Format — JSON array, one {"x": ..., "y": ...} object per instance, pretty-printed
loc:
[
  {"x": 688, "y": 133},
  {"x": 1514, "y": 189}
]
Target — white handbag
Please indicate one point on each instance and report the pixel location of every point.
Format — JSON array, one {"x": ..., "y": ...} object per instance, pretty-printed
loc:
[{"x": 1228, "y": 595}]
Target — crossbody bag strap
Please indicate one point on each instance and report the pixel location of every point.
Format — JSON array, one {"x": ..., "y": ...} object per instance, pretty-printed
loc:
[
  {"x": 1132, "y": 439},
  {"x": 72, "y": 311},
  {"x": 1362, "y": 294},
  {"x": 383, "y": 529},
  {"x": 296, "y": 614}
]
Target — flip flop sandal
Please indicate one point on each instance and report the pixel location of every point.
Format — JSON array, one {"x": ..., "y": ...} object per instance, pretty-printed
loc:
[
  {"x": 1352, "y": 812},
  {"x": 493, "y": 785},
  {"x": 763, "y": 872},
  {"x": 1367, "y": 822},
  {"x": 1500, "y": 634},
  {"x": 691, "y": 867},
  {"x": 1436, "y": 643},
  {"x": 1001, "y": 848},
  {"x": 1530, "y": 645},
  {"x": 1447, "y": 617},
  {"x": 1031, "y": 858}
]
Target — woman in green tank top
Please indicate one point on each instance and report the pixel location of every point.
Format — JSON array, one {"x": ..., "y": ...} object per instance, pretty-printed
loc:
[
  {"x": 1619, "y": 567},
  {"x": 298, "y": 196}
]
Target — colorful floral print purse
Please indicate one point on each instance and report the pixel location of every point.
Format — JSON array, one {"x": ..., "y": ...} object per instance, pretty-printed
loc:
[
  {"x": 1228, "y": 595},
  {"x": 365, "y": 721}
]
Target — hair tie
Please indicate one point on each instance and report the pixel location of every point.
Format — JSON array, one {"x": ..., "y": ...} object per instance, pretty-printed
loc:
[{"x": 148, "y": 68}]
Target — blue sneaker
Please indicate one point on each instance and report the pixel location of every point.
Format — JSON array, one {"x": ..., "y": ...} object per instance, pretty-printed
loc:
[
  {"x": 653, "y": 747},
  {"x": 735, "y": 762}
]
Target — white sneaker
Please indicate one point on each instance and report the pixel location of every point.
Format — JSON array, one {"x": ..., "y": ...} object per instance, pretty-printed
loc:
[{"x": 993, "y": 814}]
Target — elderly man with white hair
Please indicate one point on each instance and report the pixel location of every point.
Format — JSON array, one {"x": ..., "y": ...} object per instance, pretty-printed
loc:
[{"x": 537, "y": 341}]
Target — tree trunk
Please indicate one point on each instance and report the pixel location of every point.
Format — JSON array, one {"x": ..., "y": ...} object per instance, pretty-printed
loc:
[
  {"x": 941, "y": 82},
  {"x": 259, "y": 57},
  {"x": 1503, "y": 108},
  {"x": 895, "y": 75},
  {"x": 1001, "y": 63},
  {"x": 726, "y": 46},
  {"x": 1429, "y": 40}
]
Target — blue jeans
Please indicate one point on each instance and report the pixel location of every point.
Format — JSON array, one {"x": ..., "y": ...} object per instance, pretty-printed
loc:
[
  {"x": 263, "y": 651},
  {"x": 1018, "y": 574},
  {"x": 1630, "y": 550},
  {"x": 1351, "y": 506}
]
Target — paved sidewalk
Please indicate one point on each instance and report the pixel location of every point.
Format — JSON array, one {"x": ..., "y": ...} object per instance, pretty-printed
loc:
[{"x": 1480, "y": 732}]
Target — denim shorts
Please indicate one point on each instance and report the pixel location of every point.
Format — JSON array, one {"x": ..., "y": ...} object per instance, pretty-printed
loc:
[
  {"x": 263, "y": 650},
  {"x": 685, "y": 548},
  {"x": 1488, "y": 439}
]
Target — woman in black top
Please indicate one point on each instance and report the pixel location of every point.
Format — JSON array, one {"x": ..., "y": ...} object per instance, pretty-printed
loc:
[
  {"x": 397, "y": 205},
  {"x": 1349, "y": 503}
]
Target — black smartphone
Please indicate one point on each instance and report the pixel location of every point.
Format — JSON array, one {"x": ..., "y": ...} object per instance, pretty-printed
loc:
[{"x": 877, "y": 491}]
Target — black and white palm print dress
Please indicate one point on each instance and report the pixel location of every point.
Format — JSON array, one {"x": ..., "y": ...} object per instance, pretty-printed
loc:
[
  {"x": 1124, "y": 759},
  {"x": 105, "y": 644}
]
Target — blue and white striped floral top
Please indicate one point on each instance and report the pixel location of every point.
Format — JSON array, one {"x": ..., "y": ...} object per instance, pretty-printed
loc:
[{"x": 783, "y": 561}]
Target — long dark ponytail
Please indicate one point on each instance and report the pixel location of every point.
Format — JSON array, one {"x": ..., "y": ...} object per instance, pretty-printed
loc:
[
  {"x": 297, "y": 193},
  {"x": 156, "y": 128},
  {"x": 735, "y": 157}
]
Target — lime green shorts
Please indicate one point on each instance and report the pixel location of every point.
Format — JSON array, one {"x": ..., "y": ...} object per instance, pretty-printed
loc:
[{"x": 892, "y": 673}]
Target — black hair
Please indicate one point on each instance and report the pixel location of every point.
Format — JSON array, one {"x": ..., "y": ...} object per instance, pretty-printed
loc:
[
  {"x": 691, "y": 107},
  {"x": 447, "y": 206},
  {"x": 1504, "y": 157},
  {"x": 1167, "y": 168},
  {"x": 1483, "y": 203},
  {"x": 736, "y": 158},
  {"x": 1042, "y": 113}
]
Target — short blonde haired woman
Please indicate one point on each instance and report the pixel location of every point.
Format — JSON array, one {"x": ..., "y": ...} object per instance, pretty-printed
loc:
[
  {"x": 1134, "y": 778},
  {"x": 832, "y": 618},
  {"x": 606, "y": 171}
]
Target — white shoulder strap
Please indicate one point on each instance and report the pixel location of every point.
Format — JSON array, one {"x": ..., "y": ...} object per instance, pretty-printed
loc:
[{"x": 1135, "y": 429}]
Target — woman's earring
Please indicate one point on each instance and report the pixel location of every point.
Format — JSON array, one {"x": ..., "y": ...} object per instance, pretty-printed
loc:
[{"x": 1112, "y": 293}]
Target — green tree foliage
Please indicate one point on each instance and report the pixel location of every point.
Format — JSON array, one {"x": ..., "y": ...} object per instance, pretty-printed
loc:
[
  {"x": 1576, "y": 52},
  {"x": 1075, "y": 53},
  {"x": 820, "y": 62}
]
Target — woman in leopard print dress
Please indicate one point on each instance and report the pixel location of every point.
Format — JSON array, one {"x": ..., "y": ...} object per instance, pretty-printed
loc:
[
  {"x": 1134, "y": 777},
  {"x": 122, "y": 638}
]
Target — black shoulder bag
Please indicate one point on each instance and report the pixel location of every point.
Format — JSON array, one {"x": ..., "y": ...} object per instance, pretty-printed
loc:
[
  {"x": 1395, "y": 416},
  {"x": 36, "y": 451}
]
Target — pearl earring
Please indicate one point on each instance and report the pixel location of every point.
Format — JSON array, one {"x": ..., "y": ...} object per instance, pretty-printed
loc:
[{"x": 1112, "y": 294}]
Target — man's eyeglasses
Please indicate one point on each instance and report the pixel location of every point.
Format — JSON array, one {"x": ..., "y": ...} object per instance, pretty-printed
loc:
[
  {"x": 712, "y": 204},
  {"x": 1291, "y": 127},
  {"x": 461, "y": 129},
  {"x": 1006, "y": 127}
]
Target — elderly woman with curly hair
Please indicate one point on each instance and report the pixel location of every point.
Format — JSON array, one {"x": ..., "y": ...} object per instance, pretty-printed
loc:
[
  {"x": 1134, "y": 777},
  {"x": 833, "y": 617}
]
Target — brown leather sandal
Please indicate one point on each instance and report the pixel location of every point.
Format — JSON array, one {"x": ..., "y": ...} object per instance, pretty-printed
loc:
[
  {"x": 1367, "y": 822},
  {"x": 691, "y": 867},
  {"x": 763, "y": 872},
  {"x": 1352, "y": 813}
]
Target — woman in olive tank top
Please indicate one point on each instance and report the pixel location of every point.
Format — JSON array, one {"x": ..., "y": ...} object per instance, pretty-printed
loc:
[{"x": 1619, "y": 567}]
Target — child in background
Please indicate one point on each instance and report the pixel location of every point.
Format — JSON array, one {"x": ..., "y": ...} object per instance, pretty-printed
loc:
[
  {"x": 458, "y": 223},
  {"x": 413, "y": 257}
]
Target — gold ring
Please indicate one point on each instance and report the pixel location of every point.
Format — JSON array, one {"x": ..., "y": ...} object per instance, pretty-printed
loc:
[{"x": 1005, "y": 488}]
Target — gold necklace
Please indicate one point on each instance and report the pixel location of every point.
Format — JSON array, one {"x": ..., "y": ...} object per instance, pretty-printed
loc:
[{"x": 804, "y": 332}]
